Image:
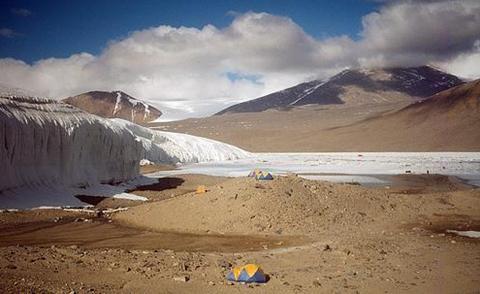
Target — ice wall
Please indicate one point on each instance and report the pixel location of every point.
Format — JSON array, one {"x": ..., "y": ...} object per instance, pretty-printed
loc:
[
  {"x": 47, "y": 143},
  {"x": 166, "y": 147}
]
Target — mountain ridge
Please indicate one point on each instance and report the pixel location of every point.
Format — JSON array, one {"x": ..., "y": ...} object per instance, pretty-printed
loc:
[
  {"x": 115, "y": 104},
  {"x": 381, "y": 85}
]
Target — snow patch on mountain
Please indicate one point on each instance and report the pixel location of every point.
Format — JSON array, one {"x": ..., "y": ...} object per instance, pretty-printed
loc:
[
  {"x": 117, "y": 103},
  {"x": 307, "y": 92}
]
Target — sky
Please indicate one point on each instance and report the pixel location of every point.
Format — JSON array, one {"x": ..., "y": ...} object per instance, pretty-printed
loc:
[{"x": 193, "y": 58}]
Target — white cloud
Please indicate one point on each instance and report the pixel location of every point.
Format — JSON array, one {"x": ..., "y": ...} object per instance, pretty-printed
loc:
[
  {"x": 201, "y": 70},
  {"x": 465, "y": 65}
]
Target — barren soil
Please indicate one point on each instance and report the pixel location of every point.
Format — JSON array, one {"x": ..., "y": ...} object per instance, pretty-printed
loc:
[{"x": 308, "y": 236}]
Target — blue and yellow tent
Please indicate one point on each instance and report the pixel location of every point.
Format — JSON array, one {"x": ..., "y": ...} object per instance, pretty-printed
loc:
[
  {"x": 254, "y": 173},
  {"x": 264, "y": 176},
  {"x": 250, "y": 273},
  {"x": 260, "y": 175}
]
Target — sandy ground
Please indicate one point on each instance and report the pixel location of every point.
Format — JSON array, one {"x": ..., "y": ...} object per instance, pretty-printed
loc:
[
  {"x": 309, "y": 237},
  {"x": 151, "y": 168}
]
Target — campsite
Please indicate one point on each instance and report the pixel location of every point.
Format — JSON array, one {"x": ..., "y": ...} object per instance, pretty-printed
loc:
[
  {"x": 222, "y": 146},
  {"x": 307, "y": 236}
]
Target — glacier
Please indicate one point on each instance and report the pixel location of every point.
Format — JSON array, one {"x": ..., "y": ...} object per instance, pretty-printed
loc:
[
  {"x": 50, "y": 151},
  {"x": 46, "y": 143},
  {"x": 177, "y": 148}
]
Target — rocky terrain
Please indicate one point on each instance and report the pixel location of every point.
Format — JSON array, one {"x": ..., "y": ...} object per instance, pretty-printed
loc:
[
  {"x": 116, "y": 104},
  {"x": 308, "y": 236}
]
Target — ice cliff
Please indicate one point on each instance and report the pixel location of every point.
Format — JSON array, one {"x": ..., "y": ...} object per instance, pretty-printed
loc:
[
  {"x": 166, "y": 147},
  {"x": 46, "y": 143}
]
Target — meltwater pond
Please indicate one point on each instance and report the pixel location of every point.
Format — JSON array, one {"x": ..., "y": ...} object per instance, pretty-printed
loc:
[{"x": 362, "y": 167}]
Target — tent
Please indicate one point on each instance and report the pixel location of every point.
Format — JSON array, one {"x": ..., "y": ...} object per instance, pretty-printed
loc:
[
  {"x": 254, "y": 173},
  {"x": 250, "y": 273},
  {"x": 260, "y": 175},
  {"x": 201, "y": 189},
  {"x": 264, "y": 176}
]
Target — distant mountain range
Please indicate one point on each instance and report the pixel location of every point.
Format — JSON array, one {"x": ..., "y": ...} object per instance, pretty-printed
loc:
[
  {"x": 397, "y": 109},
  {"x": 353, "y": 87},
  {"x": 446, "y": 121},
  {"x": 116, "y": 104}
]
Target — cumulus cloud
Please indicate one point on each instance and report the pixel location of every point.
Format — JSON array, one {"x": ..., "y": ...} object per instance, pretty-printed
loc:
[
  {"x": 465, "y": 64},
  {"x": 199, "y": 71}
]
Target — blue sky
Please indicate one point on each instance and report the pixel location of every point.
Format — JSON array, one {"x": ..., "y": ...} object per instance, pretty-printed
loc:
[
  {"x": 168, "y": 52},
  {"x": 62, "y": 28}
]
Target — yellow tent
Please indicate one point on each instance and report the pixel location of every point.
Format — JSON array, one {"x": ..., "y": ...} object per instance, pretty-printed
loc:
[
  {"x": 201, "y": 189},
  {"x": 250, "y": 273}
]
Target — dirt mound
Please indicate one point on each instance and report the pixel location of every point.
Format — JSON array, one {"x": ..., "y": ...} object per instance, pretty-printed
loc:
[
  {"x": 286, "y": 205},
  {"x": 363, "y": 240}
]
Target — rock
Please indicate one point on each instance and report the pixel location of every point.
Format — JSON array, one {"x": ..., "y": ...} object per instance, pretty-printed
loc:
[
  {"x": 183, "y": 279},
  {"x": 316, "y": 283},
  {"x": 327, "y": 248},
  {"x": 224, "y": 264},
  {"x": 211, "y": 283},
  {"x": 73, "y": 247}
]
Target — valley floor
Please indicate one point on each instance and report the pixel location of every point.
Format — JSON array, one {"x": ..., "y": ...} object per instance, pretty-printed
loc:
[{"x": 308, "y": 236}]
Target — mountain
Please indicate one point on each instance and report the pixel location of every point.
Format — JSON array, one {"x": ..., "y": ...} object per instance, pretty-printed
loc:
[
  {"x": 115, "y": 104},
  {"x": 446, "y": 121},
  {"x": 458, "y": 102},
  {"x": 353, "y": 87}
]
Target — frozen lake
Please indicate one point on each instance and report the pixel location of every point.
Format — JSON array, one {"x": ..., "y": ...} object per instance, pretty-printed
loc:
[
  {"x": 365, "y": 168},
  {"x": 361, "y": 167}
]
